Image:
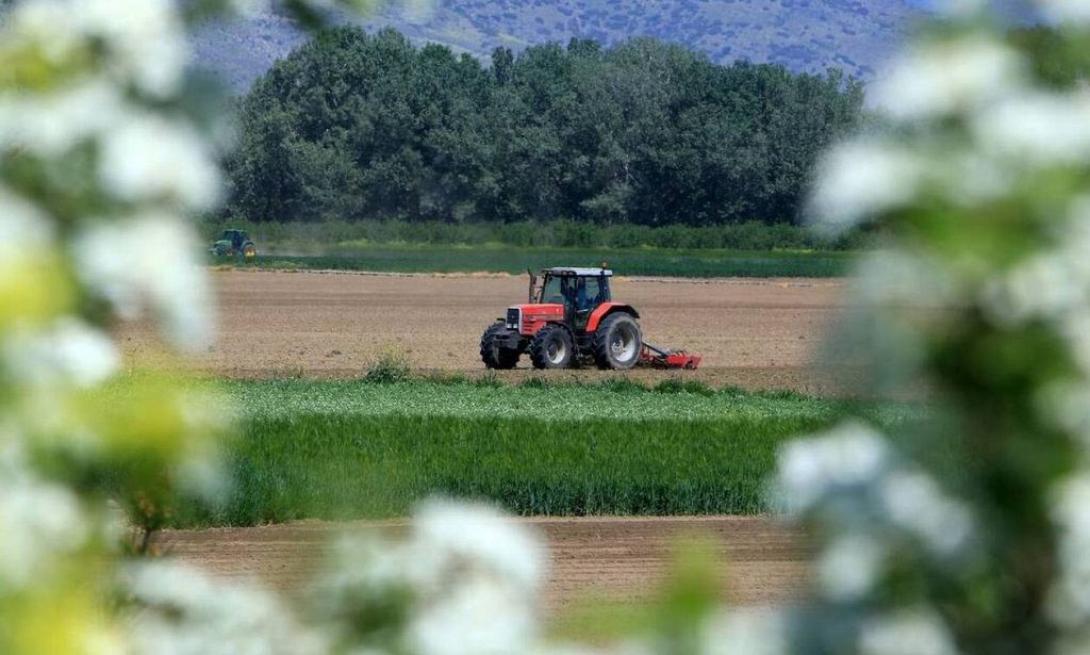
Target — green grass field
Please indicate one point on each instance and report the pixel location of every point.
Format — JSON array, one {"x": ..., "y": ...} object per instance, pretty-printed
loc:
[
  {"x": 645, "y": 261},
  {"x": 340, "y": 450}
]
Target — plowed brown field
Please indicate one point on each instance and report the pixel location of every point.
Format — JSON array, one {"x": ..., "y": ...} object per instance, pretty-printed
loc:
[
  {"x": 752, "y": 332},
  {"x": 619, "y": 559}
]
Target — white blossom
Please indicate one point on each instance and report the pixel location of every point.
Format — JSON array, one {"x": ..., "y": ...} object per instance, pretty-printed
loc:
[
  {"x": 48, "y": 25},
  {"x": 1036, "y": 128},
  {"x": 70, "y": 352},
  {"x": 936, "y": 79},
  {"x": 487, "y": 616},
  {"x": 450, "y": 535},
  {"x": 145, "y": 38},
  {"x": 896, "y": 278},
  {"x": 181, "y": 611},
  {"x": 1070, "y": 598},
  {"x": 751, "y": 631},
  {"x": 52, "y": 123},
  {"x": 23, "y": 227},
  {"x": 847, "y": 456},
  {"x": 149, "y": 261},
  {"x": 475, "y": 573},
  {"x": 462, "y": 569},
  {"x": 907, "y": 632},
  {"x": 861, "y": 178},
  {"x": 914, "y": 501},
  {"x": 848, "y": 568},
  {"x": 1042, "y": 287},
  {"x": 143, "y": 41},
  {"x": 38, "y": 522},
  {"x": 149, "y": 157},
  {"x": 1075, "y": 327}
]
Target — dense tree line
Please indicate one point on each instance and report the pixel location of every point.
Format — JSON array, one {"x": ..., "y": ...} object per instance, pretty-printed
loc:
[{"x": 358, "y": 126}]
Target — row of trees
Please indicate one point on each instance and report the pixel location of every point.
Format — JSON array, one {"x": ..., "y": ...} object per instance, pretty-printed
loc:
[{"x": 360, "y": 126}]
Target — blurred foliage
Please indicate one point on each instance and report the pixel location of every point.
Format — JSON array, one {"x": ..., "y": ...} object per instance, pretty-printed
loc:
[
  {"x": 1056, "y": 58},
  {"x": 978, "y": 179}
]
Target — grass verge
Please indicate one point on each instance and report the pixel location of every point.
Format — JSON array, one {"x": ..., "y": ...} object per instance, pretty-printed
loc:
[{"x": 345, "y": 450}]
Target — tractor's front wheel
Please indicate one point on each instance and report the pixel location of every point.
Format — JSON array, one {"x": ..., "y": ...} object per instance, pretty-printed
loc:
[
  {"x": 618, "y": 342},
  {"x": 495, "y": 353},
  {"x": 552, "y": 347}
]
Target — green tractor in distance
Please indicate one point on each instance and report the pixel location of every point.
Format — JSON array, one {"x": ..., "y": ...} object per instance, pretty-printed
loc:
[{"x": 234, "y": 243}]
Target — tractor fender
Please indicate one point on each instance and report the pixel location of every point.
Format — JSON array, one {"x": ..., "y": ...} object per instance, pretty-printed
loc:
[{"x": 605, "y": 309}]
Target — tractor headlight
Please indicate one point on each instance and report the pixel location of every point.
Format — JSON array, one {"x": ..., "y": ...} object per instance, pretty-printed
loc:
[{"x": 514, "y": 318}]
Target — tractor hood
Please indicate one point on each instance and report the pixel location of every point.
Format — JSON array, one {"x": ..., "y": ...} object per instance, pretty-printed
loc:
[{"x": 529, "y": 318}]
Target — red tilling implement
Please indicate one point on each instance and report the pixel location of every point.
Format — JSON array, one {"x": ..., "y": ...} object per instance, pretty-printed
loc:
[{"x": 656, "y": 357}]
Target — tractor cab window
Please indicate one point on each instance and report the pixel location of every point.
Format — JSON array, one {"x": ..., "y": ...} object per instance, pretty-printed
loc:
[
  {"x": 593, "y": 291},
  {"x": 557, "y": 289}
]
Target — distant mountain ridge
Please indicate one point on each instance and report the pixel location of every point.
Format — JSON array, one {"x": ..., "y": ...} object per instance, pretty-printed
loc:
[{"x": 803, "y": 35}]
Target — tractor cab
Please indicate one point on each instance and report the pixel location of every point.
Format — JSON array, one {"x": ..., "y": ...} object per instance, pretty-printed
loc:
[
  {"x": 579, "y": 290},
  {"x": 236, "y": 238}
]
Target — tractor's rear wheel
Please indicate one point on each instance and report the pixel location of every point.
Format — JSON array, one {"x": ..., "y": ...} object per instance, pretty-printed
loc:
[
  {"x": 494, "y": 352},
  {"x": 552, "y": 347},
  {"x": 618, "y": 342}
]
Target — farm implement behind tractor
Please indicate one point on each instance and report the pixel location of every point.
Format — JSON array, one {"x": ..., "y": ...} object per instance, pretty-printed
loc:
[
  {"x": 656, "y": 357},
  {"x": 571, "y": 320}
]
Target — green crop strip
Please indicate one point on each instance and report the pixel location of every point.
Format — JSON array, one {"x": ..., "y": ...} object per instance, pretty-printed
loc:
[
  {"x": 658, "y": 262},
  {"x": 342, "y": 450}
]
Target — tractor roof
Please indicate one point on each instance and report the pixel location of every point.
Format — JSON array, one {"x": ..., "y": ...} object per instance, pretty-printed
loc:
[{"x": 579, "y": 272}]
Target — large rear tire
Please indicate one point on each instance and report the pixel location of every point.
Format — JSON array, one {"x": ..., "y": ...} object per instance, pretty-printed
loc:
[
  {"x": 494, "y": 353},
  {"x": 552, "y": 347},
  {"x": 618, "y": 342}
]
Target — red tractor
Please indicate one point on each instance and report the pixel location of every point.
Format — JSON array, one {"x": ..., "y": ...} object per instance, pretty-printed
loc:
[{"x": 571, "y": 320}]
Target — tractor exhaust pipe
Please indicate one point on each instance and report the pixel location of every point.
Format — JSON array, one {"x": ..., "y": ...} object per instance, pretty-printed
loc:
[{"x": 533, "y": 286}]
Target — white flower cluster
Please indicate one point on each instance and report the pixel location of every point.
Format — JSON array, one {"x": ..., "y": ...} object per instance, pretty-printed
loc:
[
  {"x": 147, "y": 261},
  {"x": 907, "y": 632},
  {"x": 181, "y": 611},
  {"x": 68, "y": 352},
  {"x": 1071, "y": 597},
  {"x": 38, "y": 522},
  {"x": 970, "y": 138},
  {"x": 1013, "y": 128},
  {"x": 153, "y": 165},
  {"x": 463, "y": 570},
  {"x": 852, "y": 481},
  {"x": 752, "y": 631}
]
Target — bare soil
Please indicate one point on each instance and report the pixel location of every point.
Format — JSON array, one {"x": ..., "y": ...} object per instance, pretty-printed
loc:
[
  {"x": 753, "y": 333},
  {"x": 618, "y": 559}
]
